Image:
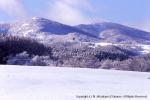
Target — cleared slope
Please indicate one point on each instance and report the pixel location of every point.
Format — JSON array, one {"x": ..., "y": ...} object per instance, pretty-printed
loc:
[{"x": 51, "y": 83}]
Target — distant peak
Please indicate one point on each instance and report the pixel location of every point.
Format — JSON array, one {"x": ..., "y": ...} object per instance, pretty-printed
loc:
[
  {"x": 36, "y": 18},
  {"x": 40, "y": 19},
  {"x": 100, "y": 23}
]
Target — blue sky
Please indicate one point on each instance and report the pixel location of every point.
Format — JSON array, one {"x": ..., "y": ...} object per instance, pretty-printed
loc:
[
  {"x": 130, "y": 12},
  {"x": 124, "y": 10}
]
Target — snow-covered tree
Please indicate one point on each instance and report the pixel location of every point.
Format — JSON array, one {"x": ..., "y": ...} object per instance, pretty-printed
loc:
[{"x": 20, "y": 59}]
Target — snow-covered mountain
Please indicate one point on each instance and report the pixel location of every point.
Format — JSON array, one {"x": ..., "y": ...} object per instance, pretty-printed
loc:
[
  {"x": 112, "y": 32},
  {"x": 48, "y": 30}
]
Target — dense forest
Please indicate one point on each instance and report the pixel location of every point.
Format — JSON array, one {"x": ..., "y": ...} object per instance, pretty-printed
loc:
[{"x": 26, "y": 51}]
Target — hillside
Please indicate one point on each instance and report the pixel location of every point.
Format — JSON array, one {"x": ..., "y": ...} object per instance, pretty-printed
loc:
[
  {"x": 46, "y": 30},
  {"x": 116, "y": 33}
]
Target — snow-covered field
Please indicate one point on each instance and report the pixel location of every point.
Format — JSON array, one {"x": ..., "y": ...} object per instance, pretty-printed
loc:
[{"x": 53, "y": 83}]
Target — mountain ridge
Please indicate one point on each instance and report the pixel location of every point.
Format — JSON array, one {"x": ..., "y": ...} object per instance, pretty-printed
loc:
[
  {"x": 99, "y": 32},
  {"x": 103, "y": 28}
]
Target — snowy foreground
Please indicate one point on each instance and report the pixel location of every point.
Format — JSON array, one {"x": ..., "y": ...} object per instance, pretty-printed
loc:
[{"x": 51, "y": 83}]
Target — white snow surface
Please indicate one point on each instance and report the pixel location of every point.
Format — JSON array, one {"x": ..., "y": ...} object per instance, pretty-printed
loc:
[{"x": 53, "y": 83}]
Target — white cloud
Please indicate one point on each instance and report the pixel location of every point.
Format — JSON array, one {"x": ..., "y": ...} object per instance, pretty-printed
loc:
[
  {"x": 13, "y": 8},
  {"x": 70, "y": 12}
]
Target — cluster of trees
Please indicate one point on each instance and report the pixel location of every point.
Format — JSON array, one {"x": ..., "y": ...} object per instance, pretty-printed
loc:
[
  {"x": 76, "y": 55},
  {"x": 25, "y": 51},
  {"x": 10, "y": 46},
  {"x": 25, "y": 59},
  {"x": 137, "y": 63}
]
